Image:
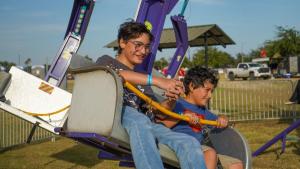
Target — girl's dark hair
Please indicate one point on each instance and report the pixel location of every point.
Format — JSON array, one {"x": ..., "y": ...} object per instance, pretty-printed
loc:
[
  {"x": 131, "y": 30},
  {"x": 197, "y": 76}
]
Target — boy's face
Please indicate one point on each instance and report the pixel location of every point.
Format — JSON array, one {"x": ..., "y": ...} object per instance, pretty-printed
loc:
[
  {"x": 201, "y": 95},
  {"x": 135, "y": 50}
]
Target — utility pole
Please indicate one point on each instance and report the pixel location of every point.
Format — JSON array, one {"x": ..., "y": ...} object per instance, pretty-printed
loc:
[
  {"x": 19, "y": 58},
  {"x": 46, "y": 66},
  {"x": 242, "y": 51}
]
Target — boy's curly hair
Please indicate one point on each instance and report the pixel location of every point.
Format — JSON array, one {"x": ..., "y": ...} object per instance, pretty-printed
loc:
[
  {"x": 198, "y": 76},
  {"x": 131, "y": 30}
]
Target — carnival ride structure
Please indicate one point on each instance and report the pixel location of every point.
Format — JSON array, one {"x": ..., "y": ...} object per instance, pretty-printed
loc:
[{"x": 92, "y": 113}]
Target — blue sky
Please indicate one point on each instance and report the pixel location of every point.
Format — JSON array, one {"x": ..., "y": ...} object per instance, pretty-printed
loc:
[{"x": 35, "y": 28}]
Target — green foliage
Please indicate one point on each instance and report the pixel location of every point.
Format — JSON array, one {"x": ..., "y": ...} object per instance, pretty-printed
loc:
[
  {"x": 7, "y": 64},
  {"x": 187, "y": 63},
  {"x": 88, "y": 58},
  {"x": 216, "y": 58},
  {"x": 161, "y": 63},
  {"x": 287, "y": 42},
  {"x": 27, "y": 65}
]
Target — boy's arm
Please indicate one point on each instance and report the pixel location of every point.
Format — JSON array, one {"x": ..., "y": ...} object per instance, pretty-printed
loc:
[
  {"x": 222, "y": 119},
  {"x": 166, "y": 120}
]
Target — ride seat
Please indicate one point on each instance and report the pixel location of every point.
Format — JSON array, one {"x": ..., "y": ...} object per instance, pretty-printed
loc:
[{"x": 96, "y": 107}]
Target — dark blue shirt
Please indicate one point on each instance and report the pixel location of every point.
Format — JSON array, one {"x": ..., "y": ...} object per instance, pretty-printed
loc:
[
  {"x": 129, "y": 98},
  {"x": 184, "y": 127}
]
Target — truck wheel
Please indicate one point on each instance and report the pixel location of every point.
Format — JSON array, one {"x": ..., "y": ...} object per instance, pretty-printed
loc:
[
  {"x": 231, "y": 76},
  {"x": 251, "y": 76}
]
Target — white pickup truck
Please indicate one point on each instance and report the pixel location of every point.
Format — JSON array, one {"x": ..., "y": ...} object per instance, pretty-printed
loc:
[{"x": 249, "y": 71}]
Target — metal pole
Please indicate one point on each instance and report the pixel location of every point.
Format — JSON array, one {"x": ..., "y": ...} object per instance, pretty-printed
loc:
[
  {"x": 205, "y": 50},
  {"x": 183, "y": 7}
]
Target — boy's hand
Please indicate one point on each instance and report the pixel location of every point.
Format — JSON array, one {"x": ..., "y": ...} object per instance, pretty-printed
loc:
[
  {"x": 222, "y": 122},
  {"x": 194, "y": 119}
]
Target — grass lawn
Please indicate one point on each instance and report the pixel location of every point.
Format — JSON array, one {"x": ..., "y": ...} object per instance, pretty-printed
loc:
[{"x": 65, "y": 153}]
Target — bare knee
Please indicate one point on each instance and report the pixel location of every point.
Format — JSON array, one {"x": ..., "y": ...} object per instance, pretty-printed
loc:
[
  {"x": 210, "y": 157},
  {"x": 236, "y": 166}
]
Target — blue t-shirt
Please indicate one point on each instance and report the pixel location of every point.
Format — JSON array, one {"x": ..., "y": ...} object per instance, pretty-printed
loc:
[{"x": 184, "y": 127}]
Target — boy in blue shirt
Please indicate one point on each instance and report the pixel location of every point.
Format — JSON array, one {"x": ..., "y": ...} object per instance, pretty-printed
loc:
[{"x": 199, "y": 84}]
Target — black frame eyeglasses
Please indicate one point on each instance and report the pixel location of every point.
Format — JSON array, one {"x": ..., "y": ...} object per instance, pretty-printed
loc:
[{"x": 138, "y": 45}]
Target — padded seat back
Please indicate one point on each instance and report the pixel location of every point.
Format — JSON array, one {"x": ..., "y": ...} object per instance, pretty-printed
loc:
[{"x": 96, "y": 104}]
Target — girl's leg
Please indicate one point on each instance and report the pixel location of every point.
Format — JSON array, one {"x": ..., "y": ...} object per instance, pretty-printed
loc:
[{"x": 142, "y": 142}]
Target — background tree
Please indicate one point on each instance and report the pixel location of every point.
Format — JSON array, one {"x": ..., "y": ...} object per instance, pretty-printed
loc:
[
  {"x": 88, "y": 58},
  {"x": 186, "y": 63},
  {"x": 286, "y": 43},
  {"x": 27, "y": 65},
  {"x": 216, "y": 58},
  {"x": 7, "y": 65},
  {"x": 161, "y": 63}
]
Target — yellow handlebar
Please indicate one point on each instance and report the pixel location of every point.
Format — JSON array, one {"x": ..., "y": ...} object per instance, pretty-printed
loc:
[{"x": 164, "y": 110}]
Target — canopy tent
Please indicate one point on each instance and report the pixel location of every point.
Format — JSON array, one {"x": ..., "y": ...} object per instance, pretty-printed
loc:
[
  {"x": 197, "y": 34},
  {"x": 200, "y": 35}
]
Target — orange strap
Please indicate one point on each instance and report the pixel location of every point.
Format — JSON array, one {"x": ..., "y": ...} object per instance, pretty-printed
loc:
[{"x": 163, "y": 109}]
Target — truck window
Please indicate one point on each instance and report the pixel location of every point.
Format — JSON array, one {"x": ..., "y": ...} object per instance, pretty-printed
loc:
[
  {"x": 243, "y": 66},
  {"x": 254, "y": 65}
]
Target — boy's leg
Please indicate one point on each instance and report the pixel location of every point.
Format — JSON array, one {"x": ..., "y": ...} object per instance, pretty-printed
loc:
[
  {"x": 187, "y": 148},
  {"x": 228, "y": 162},
  {"x": 142, "y": 141},
  {"x": 210, "y": 157}
]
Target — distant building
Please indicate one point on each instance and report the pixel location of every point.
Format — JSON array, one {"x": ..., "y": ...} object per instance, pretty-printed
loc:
[
  {"x": 20, "y": 67},
  {"x": 2, "y": 69},
  {"x": 38, "y": 71}
]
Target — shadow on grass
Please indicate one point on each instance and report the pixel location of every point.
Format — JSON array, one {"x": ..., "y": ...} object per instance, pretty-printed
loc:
[
  {"x": 277, "y": 150},
  {"x": 80, "y": 155}
]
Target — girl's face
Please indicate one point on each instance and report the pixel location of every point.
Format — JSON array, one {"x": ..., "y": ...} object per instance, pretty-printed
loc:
[{"x": 134, "y": 51}]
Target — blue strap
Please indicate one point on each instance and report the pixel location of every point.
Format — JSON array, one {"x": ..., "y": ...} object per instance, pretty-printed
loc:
[
  {"x": 183, "y": 7},
  {"x": 149, "y": 79}
]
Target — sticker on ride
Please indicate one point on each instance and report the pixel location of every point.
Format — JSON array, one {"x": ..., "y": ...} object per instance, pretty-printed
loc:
[{"x": 46, "y": 88}]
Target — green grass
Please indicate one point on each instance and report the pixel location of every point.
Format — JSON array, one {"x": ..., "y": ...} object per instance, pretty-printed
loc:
[{"x": 65, "y": 153}]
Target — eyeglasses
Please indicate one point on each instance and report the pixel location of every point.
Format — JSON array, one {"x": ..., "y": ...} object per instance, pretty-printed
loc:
[{"x": 140, "y": 45}]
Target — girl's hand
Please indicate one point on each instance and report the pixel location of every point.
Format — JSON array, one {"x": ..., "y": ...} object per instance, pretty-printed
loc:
[{"x": 173, "y": 88}]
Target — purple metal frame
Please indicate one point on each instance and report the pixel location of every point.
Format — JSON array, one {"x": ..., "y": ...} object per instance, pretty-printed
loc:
[
  {"x": 181, "y": 34},
  {"x": 108, "y": 149},
  {"x": 78, "y": 6},
  {"x": 79, "y": 19},
  {"x": 280, "y": 136},
  {"x": 153, "y": 14}
]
